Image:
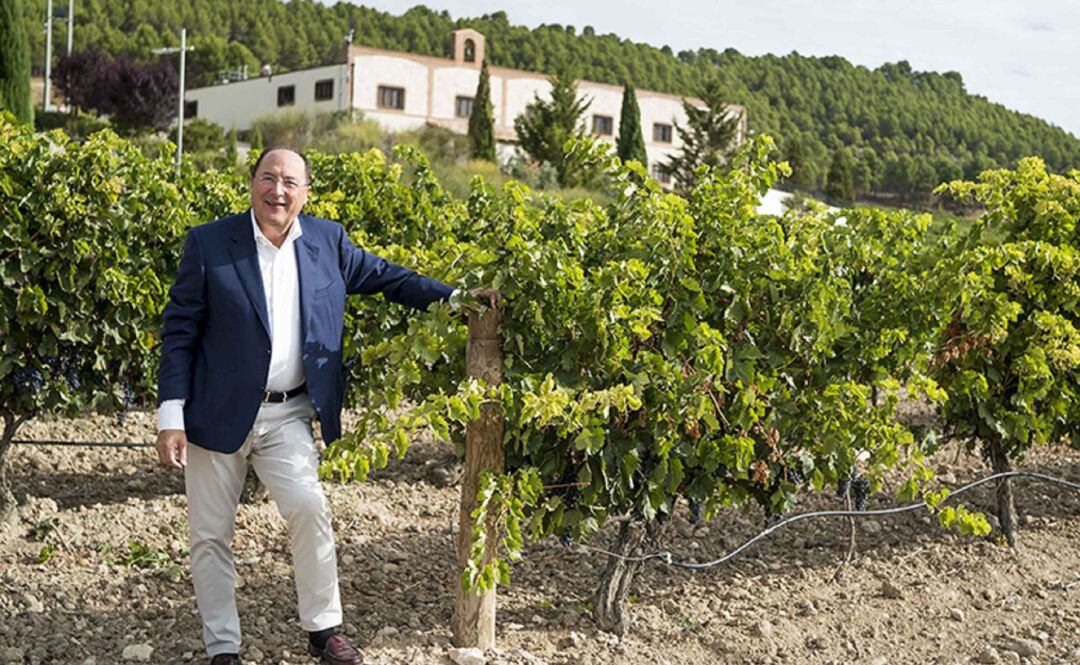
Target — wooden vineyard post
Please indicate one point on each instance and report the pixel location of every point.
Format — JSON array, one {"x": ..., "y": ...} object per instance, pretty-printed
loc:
[{"x": 474, "y": 615}]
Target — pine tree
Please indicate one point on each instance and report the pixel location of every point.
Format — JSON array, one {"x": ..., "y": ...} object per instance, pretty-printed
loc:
[
  {"x": 839, "y": 183},
  {"x": 546, "y": 127},
  {"x": 14, "y": 62},
  {"x": 709, "y": 138},
  {"x": 631, "y": 144},
  {"x": 802, "y": 172},
  {"x": 482, "y": 120},
  {"x": 891, "y": 109}
]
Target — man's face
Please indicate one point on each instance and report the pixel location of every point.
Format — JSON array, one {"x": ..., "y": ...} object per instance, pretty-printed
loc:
[{"x": 279, "y": 188}]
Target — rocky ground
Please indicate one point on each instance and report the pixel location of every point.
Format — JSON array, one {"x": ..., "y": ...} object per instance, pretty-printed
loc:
[{"x": 95, "y": 571}]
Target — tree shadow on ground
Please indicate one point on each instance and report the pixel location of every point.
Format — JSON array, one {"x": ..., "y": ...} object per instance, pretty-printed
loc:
[{"x": 140, "y": 477}]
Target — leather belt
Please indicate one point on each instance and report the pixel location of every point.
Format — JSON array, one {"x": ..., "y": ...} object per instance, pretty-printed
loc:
[{"x": 278, "y": 397}]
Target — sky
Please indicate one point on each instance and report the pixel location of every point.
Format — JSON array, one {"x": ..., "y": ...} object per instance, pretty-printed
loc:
[{"x": 1023, "y": 55}]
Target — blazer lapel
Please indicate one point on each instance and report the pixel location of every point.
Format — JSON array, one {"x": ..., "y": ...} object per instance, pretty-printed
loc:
[
  {"x": 246, "y": 261},
  {"x": 307, "y": 260}
]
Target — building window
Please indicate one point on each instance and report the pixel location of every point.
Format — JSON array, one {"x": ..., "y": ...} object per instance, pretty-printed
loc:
[
  {"x": 324, "y": 90},
  {"x": 391, "y": 98},
  {"x": 470, "y": 51},
  {"x": 191, "y": 109},
  {"x": 463, "y": 106},
  {"x": 661, "y": 133},
  {"x": 660, "y": 173},
  {"x": 602, "y": 125},
  {"x": 286, "y": 95}
]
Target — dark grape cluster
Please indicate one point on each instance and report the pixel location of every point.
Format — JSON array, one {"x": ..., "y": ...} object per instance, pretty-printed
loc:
[
  {"x": 842, "y": 487},
  {"x": 793, "y": 475},
  {"x": 695, "y": 511},
  {"x": 860, "y": 491},
  {"x": 29, "y": 378},
  {"x": 129, "y": 400},
  {"x": 858, "y": 486},
  {"x": 566, "y": 540},
  {"x": 68, "y": 368},
  {"x": 645, "y": 469},
  {"x": 788, "y": 471}
]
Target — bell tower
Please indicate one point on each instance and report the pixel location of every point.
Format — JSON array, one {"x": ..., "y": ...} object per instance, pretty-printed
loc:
[{"x": 467, "y": 46}]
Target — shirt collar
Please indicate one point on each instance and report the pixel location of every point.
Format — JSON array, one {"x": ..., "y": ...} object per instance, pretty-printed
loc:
[{"x": 294, "y": 231}]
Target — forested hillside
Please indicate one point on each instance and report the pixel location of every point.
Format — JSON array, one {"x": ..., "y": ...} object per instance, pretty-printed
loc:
[{"x": 905, "y": 130}]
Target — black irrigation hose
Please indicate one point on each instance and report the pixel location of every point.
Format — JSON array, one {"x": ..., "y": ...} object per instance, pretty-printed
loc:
[
  {"x": 666, "y": 556},
  {"x": 88, "y": 444}
]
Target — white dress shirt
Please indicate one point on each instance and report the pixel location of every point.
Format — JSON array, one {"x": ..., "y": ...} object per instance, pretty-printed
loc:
[{"x": 281, "y": 286}]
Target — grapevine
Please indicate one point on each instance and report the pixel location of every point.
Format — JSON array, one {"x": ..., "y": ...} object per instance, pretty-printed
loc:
[{"x": 657, "y": 348}]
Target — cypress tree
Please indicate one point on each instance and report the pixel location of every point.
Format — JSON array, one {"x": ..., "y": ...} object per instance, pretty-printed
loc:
[
  {"x": 14, "y": 62},
  {"x": 631, "y": 144},
  {"x": 257, "y": 139},
  {"x": 230, "y": 147},
  {"x": 482, "y": 120}
]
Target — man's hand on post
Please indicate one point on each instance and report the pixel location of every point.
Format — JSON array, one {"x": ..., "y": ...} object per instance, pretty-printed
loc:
[
  {"x": 172, "y": 448},
  {"x": 491, "y": 295}
]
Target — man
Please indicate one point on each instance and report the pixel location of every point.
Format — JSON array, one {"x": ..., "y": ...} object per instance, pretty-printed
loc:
[{"x": 251, "y": 352}]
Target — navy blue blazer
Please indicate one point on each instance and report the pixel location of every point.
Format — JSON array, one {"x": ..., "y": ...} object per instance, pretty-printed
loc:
[{"x": 216, "y": 336}]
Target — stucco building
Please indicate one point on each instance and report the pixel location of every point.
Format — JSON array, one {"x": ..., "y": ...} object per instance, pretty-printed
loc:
[{"x": 406, "y": 90}]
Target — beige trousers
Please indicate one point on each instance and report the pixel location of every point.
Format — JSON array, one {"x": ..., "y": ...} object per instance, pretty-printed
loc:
[{"x": 283, "y": 452}]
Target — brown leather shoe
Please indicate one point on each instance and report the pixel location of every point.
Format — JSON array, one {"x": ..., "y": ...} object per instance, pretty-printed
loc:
[
  {"x": 338, "y": 651},
  {"x": 225, "y": 659}
]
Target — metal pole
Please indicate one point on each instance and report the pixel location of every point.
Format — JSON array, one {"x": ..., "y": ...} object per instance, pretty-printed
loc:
[
  {"x": 184, "y": 48},
  {"x": 180, "y": 110},
  {"x": 71, "y": 23},
  {"x": 48, "y": 56}
]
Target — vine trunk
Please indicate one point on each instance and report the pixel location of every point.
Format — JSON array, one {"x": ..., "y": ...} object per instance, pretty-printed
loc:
[
  {"x": 1006, "y": 505},
  {"x": 609, "y": 603},
  {"x": 7, "y": 498}
]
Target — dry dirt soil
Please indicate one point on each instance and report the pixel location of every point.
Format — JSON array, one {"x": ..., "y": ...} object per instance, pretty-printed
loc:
[{"x": 94, "y": 570}]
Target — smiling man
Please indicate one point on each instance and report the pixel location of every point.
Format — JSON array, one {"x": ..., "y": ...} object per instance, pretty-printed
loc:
[{"x": 251, "y": 353}]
